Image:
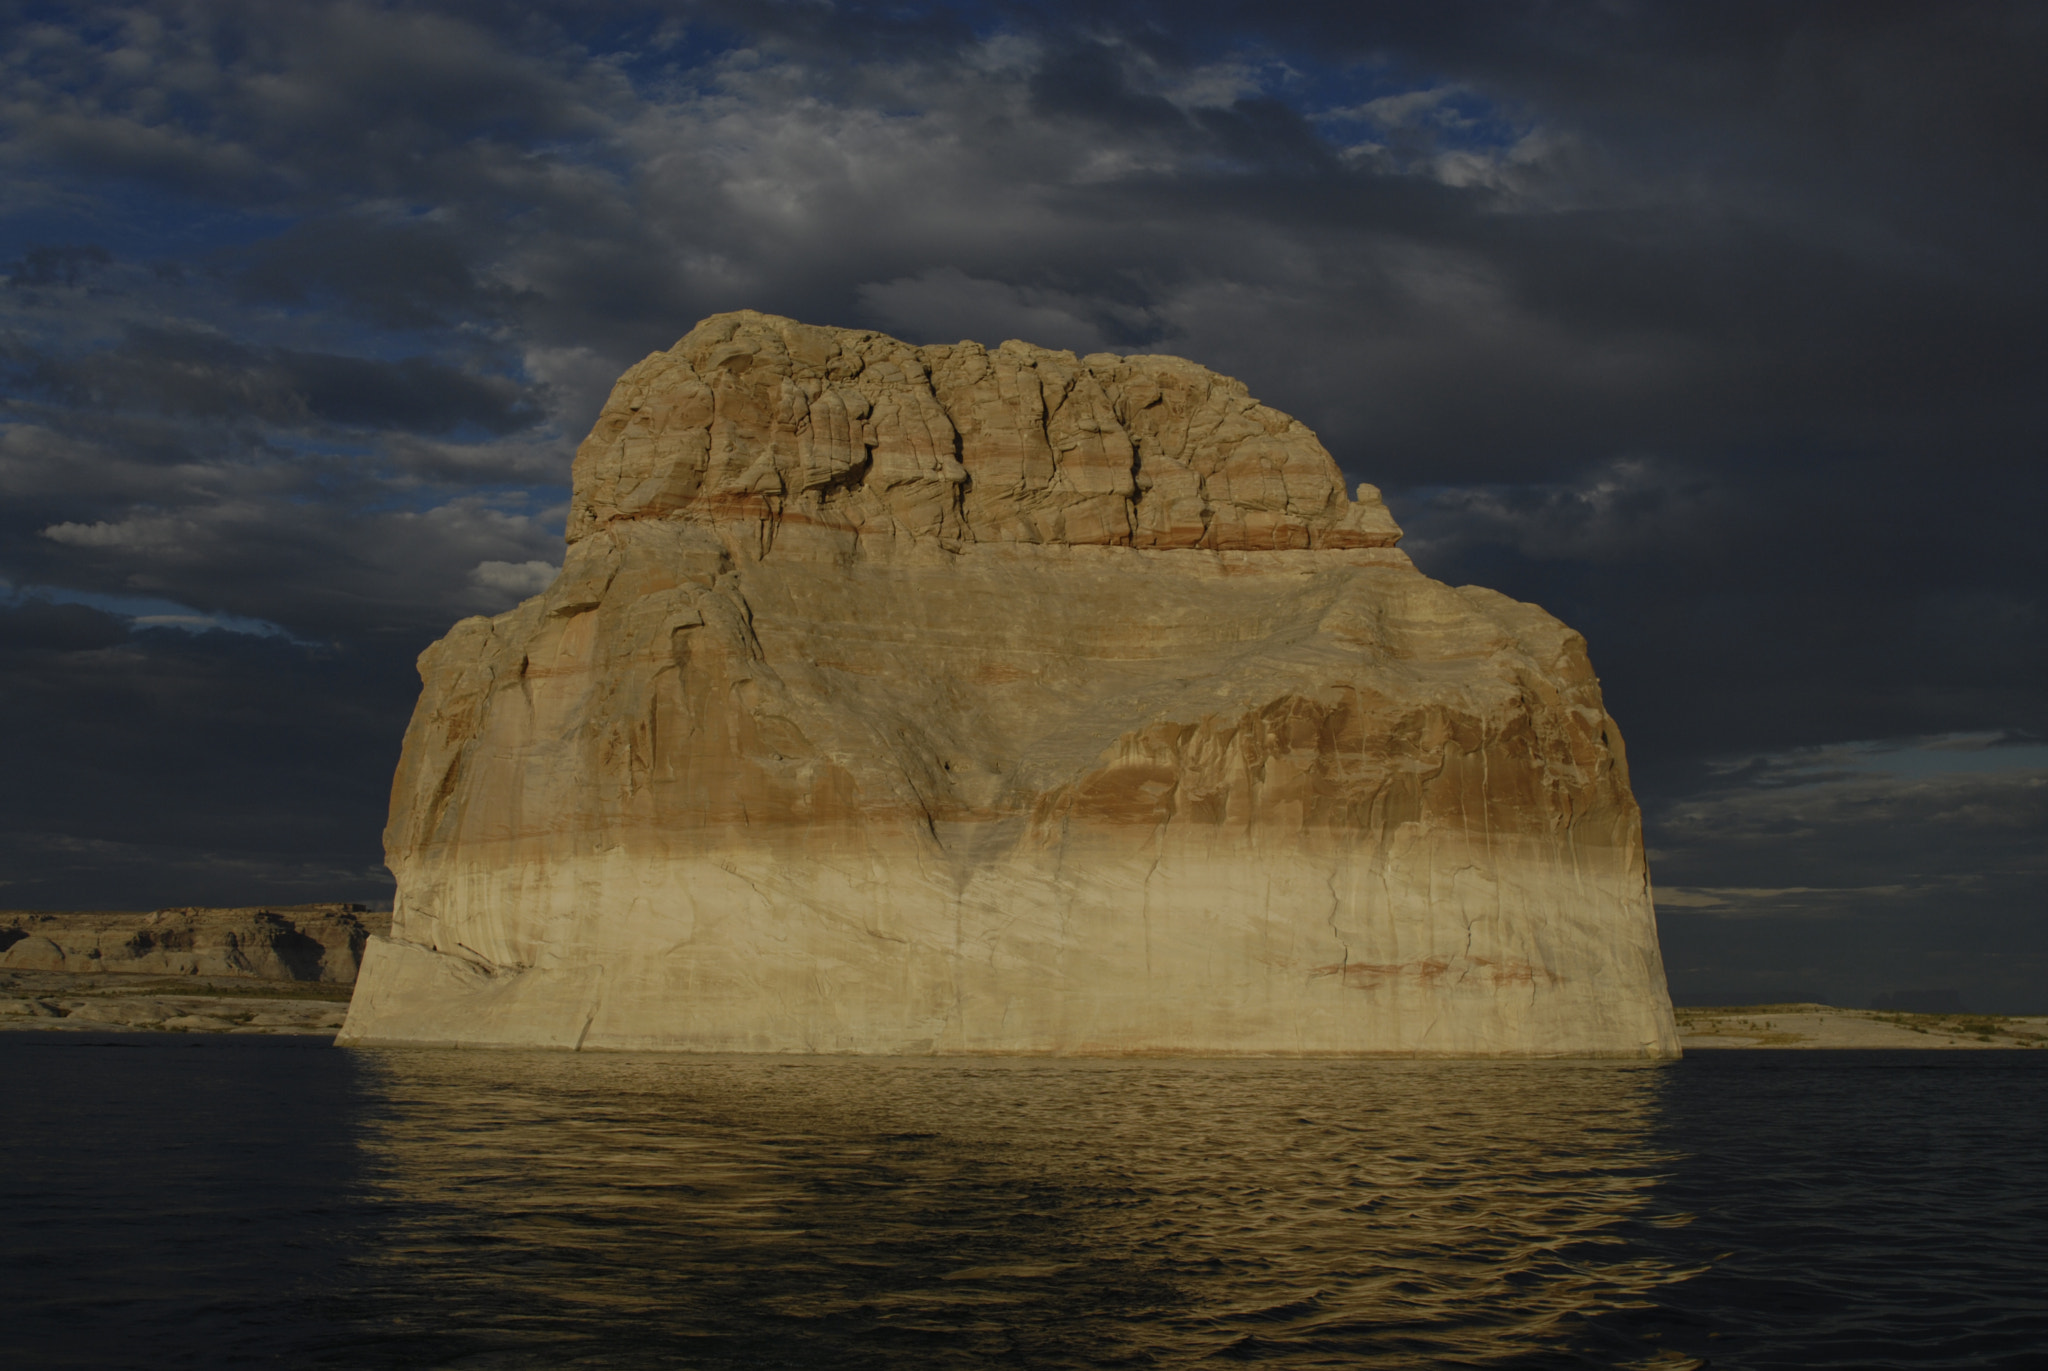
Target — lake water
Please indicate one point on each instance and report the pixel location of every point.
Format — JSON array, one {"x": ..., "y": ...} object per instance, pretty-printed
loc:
[{"x": 176, "y": 1202}]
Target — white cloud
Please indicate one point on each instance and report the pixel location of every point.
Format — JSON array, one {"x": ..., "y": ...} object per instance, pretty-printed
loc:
[
  {"x": 144, "y": 533},
  {"x": 513, "y": 581},
  {"x": 1924, "y": 757},
  {"x": 1619, "y": 510},
  {"x": 1924, "y": 827},
  {"x": 578, "y": 378},
  {"x": 142, "y": 611},
  {"x": 1741, "y": 900},
  {"x": 1399, "y": 110}
]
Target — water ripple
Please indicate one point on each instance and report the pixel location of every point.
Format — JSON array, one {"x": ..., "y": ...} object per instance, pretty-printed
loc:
[
  {"x": 1093, "y": 1214},
  {"x": 218, "y": 1205}
]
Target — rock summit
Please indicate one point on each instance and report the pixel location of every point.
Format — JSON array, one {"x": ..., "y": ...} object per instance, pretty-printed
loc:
[{"x": 958, "y": 700}]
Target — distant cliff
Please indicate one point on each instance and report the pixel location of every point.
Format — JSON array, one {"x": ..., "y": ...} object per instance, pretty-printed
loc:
[
  {"x": 309, "y": 942},
  {"x": 956, "y": 700}
]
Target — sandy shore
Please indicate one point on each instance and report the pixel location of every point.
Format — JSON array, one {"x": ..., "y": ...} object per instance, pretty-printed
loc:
[
  {"x": 63, "y": 1002},
  {"x": 1820, "y": 1025}
]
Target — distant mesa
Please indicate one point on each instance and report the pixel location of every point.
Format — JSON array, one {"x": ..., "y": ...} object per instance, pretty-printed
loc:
[
  {"x": 306, "y": 942},
  {"x": 958, "y": 700}
]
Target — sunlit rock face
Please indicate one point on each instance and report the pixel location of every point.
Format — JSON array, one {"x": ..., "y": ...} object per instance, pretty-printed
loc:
[{"x": 947, "y": 700}]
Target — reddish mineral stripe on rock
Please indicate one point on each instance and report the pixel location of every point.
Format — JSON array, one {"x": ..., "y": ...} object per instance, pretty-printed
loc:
[{"x": 967, "y": 700}]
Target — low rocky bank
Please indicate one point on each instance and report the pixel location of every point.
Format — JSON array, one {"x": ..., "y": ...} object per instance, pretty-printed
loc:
[
  {"x": 97, "y": 1002},
  {"x": 189, "y": 969},
  {"x": 1826, "y": 1026}
]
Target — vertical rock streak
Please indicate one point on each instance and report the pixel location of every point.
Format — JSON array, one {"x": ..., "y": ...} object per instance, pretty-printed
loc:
[{"x": 948, "y": 699}]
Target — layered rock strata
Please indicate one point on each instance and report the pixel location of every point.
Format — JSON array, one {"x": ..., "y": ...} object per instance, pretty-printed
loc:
[
  {"x": 310, "y": 942},
  {"x": 953, "y": 700}
]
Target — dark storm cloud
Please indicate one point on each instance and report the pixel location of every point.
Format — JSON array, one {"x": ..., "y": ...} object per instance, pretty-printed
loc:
[
  {"x": 1867, "y": 870},
  {"x": 1715, "y": 329},
  {"x": 38, "y": 625},
  {"x": 1753, "y": 220},
  {"x": 192, "y": 766},
  {"x": 201, "y": 374},
  {"x": 1624, "y": 509},
  {"x": 323, "y": 573},
  {"x": 59, "y": 264},
  {"x": 287, "y": 103},
  {"x": 398, "y": 276}
]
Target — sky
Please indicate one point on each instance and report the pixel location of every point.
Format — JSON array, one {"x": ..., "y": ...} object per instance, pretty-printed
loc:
[{"x": 1720, "y": 331}]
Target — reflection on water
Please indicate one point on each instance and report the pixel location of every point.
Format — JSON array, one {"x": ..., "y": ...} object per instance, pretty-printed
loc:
[
  {"x": 202, "y": 1202},
  {"x": 550, "y": 1210}
]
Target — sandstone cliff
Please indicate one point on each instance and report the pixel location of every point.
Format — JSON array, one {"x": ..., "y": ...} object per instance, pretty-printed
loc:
[{"x": 944, "y": 699}]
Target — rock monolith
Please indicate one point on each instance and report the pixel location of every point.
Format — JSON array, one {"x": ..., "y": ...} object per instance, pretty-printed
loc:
[{"x": 956, "y": 700}]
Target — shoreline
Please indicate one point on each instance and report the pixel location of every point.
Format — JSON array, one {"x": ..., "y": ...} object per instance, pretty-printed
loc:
[
  {"x": 118, "y": 1002},
  {"x": 1797, "y": 1026},
  {"x": 131, "y": 1002}
]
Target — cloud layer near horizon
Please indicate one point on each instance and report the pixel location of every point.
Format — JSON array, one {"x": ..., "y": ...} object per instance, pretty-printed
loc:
[{"x": 1717, "y": 331}]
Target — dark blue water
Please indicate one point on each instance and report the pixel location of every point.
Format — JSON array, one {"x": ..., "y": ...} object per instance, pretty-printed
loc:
[{"x": 190, "y": 1202}]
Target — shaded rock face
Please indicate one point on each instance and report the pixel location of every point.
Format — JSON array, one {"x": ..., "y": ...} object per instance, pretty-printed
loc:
[
  {"x": 317, "y": 942},
  {"x": 940, "y": 699}
]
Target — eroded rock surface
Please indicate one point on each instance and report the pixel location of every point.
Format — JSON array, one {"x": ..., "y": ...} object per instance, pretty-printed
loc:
[
  {"x": 311, "y": 942},
  {"x": 753, "y": 423},
  {"x": 945, "y": 699}
]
